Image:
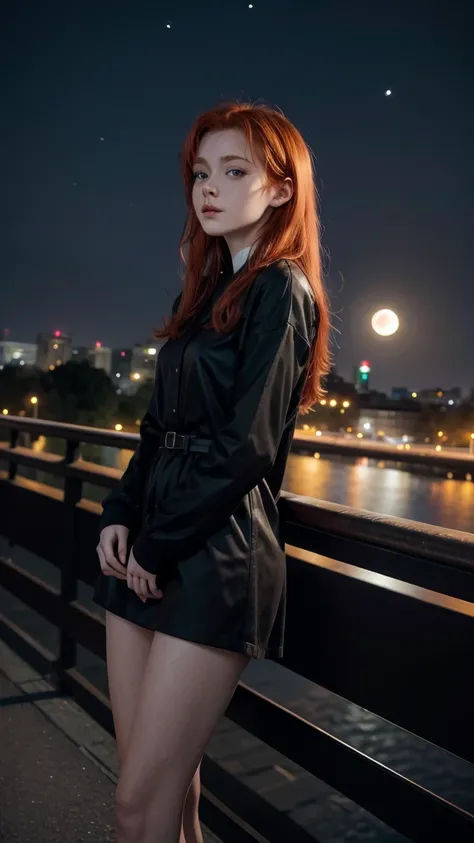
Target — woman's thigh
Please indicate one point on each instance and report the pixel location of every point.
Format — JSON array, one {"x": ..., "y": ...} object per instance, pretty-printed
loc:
[
  {"x": 128, "y": 648},
  {"x": 186, "y": 690}
]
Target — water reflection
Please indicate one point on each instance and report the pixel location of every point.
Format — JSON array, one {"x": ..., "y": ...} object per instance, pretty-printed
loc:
[{"x": 363, "y": 484}]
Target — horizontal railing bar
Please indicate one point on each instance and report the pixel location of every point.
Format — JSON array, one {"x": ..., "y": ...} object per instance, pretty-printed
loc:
[
  {"x": 74, "y": 432},
  {"x": 402, "y": 804},
  {"x": 386, "y": 531},
  {"x": 447, "y": 579}
]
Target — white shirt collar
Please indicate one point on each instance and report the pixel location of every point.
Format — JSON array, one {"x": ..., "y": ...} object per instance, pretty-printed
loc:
[{"x": 239, "y": 259}]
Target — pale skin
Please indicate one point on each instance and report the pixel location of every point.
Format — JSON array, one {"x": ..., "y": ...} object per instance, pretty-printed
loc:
[{"x": 157, "y": 683}]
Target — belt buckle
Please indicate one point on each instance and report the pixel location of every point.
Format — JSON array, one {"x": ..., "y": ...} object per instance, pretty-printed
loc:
[{"x": 173, "y": 434}]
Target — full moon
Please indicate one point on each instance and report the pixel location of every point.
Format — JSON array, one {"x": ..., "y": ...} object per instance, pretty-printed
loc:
[{"x": 385, "y": 322}]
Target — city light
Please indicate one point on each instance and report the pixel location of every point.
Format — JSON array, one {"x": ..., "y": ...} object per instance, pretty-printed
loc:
[
  {"x": 98, "y": 344},
  {"x": 5, "y": 412},
  {"x": 360, "y": 435},
  {"x": 117, "y": 375},
  {"x": 472, "y": 435},
  {"x": 318, "y": 433},
  {"x": 152, "y": 351},
  {"x": 317, "y": 456},
  {"x": 450, "y": 402},
  {"x": 52, "y": 368},
  {"x": 122, "y": 354},
  {"x": 438, "y": 448},
  {"x": 367, "y": 426},
  {"x": 440, "y": 433},
  {"x": 333, "y": 402},
  {"x": 440, "y": 393},
  {"x": 323, "y": 402},
  {"x": 136, "y": 376},
  {"x": 118, "y": 427},
  {"x": 414, "y": 395},
  {"x": 55, "y": 346},
  {"x": 57, "y": 333},
  {"x": 34, "y": 399},
  {"x": 346, "y": 404}
]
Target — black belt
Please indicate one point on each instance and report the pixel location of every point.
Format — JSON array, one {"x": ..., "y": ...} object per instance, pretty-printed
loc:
[{"x": 184, "y": 442}]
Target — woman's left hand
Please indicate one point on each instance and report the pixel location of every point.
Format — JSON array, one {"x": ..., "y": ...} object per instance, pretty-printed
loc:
[{"x": 141, "y": 581}]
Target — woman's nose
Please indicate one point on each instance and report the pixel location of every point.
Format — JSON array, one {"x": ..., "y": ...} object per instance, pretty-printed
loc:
[{"x": 209, "y": 190}]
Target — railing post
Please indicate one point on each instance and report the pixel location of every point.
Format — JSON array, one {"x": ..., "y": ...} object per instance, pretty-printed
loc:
[
  {"x": 12, "y": 469},
  {"x": 72, "y": 495}
]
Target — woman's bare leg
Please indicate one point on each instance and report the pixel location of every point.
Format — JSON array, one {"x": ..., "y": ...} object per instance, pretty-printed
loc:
[
  {"x": 185, "y": 692},
  {"x": 191, "y": 825},
  {"x": 128, "y": 646}
]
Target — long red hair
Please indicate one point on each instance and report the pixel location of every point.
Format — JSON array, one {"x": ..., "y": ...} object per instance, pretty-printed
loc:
[{"x": 291, "y": 232}]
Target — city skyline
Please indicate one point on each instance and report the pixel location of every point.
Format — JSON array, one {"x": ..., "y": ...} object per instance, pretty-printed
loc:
[{"x": 98, "y": 105}]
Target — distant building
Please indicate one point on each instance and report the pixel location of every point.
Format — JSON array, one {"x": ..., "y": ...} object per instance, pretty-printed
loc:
[
  {"x": 401, "y": 393},
  {"x": 17, "y": 353},
  {"x": 122, "y": 369},
  {"x": 389, "y": 420},
  {"x": 101, "y": 357},
  {"x": 53, "y": 350},
  {"x": 143, "y": 361},
  {"x": 441, "y": 397}
]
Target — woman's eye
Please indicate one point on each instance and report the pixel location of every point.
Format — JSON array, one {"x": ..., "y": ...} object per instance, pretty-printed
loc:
[
  {"x": 197, "y": 176},
  {"x": 236, "y": 173}
]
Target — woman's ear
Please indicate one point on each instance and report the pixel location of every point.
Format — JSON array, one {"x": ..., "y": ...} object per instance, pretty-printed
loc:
[{"x": 283, "y": 193}]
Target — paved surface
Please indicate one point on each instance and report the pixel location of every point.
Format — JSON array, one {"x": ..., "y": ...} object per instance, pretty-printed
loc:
[
  {"x": 325, "y": 814},
  {"x": 57, "y": 767}
]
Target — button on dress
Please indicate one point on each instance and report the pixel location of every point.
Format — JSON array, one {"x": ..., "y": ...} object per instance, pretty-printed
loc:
[{"x": 207, "y": 524}]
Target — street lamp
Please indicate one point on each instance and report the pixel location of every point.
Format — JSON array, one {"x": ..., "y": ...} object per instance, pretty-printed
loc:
[
  {"x": 5, "y": 412},
  {"x": 35, "y": 404}
]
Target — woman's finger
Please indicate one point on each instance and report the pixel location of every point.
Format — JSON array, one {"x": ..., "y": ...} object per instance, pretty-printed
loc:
[
  {"x": 153, "y": 588},
  {"x": 110, "y": 570}
]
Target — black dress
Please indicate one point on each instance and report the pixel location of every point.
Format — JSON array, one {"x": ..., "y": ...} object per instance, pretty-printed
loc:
[{"x": 207, "y": 523}]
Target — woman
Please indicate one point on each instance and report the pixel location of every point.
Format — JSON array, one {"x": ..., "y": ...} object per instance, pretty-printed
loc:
[{"x": 191, "y": 553}]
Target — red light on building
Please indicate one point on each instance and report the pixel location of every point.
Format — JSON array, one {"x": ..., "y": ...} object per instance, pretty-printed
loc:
[
  {"x": 57, "y": 333},
  {"x": 122, "y": 354},
  {"x": 98, "y": 345}
]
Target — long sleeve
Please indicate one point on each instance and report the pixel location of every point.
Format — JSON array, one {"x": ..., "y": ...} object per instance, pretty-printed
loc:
[
  {"x": 123, "y": 505},
  {"x": 273, "y": 359}
]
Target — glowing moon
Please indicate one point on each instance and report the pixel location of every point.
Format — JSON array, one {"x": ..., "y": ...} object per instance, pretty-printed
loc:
[{"x": 385, "y": 323}]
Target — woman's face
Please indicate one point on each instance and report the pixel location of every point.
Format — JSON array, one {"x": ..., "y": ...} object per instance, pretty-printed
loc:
[{"x": 230, "y": 194}]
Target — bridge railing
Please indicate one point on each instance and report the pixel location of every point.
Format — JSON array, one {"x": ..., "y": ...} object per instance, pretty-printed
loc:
[{"x": 380, "y": 612}]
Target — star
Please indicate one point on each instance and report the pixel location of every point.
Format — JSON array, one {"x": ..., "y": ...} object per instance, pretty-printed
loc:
[
  {"x": 102, "y": 139},
  {"x": 388, "y": 92},
  {"x": 168, "y": 25}
]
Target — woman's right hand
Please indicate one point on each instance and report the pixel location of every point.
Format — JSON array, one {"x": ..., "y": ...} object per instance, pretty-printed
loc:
[{"x": 112, "y": 551}]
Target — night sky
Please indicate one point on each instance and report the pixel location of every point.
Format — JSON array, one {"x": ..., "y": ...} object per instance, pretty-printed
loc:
[{"x": 98, "y": 97}]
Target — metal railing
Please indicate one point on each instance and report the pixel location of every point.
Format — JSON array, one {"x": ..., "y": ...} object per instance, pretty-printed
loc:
[{"x": 380, "y": 612}]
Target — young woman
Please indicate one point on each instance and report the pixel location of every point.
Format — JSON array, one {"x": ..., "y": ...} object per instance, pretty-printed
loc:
[{"x": 191, "y": 553}]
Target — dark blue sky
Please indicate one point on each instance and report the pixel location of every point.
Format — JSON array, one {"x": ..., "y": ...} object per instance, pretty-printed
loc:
[{"x": 90, "y": 228}]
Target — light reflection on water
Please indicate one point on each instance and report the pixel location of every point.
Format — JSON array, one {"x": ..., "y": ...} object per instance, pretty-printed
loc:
[{"x": 361, "y": 484}]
